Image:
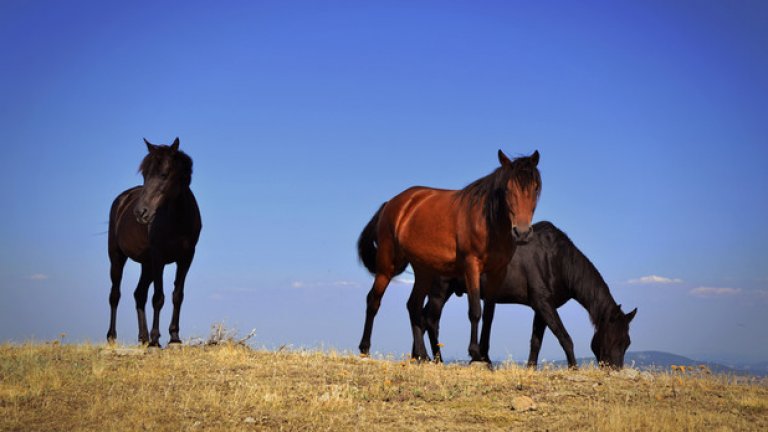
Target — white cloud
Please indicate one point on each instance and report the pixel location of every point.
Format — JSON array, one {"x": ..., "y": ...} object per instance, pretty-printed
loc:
[
  {"x": 714, "y": 292},
  {"x": 38, "y": 277},
  {"x": 654, "y": 279},
  {"x": 404, "y": 280}
]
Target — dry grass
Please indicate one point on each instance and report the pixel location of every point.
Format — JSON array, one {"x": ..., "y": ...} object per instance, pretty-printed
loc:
[{"x": 232, "y": 387}]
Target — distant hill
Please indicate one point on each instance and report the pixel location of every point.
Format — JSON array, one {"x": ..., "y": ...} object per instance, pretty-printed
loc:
[{"x": 663, "y": 361}]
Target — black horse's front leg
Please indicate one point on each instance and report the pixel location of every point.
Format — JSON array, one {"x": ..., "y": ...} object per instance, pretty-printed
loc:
[
  {"x": 117, "y": 263},
  {"x": 537, "y": 335},
  {"x": 552, "y": 318},
  {"x": 485, "y": 337},
  {"x": 158, "y": 299},
  {"x": 182, "y": 267},
  {"x": 140, "y": 295},
  {"x": 415, "y": 307}
]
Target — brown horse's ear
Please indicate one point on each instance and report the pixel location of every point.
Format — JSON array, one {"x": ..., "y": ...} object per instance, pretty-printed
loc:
[
  {"x": 631, "y": 315},
  {"x": 150, "y": 146},
  {"x": 175, "y": 145},
  {"x": 535, "y": 158},
  {"x": 503, "y": 159}
]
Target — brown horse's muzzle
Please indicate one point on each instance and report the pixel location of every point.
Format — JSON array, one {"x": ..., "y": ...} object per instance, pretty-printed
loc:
[{"x": 522, "y": 234}]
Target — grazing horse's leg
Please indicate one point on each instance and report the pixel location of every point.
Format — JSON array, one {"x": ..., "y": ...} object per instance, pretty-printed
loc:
[
  {"x": 380, "y": 283},
  {"x": 537, "y": 335},
  {"x": 117, "y": 263},
  {"x": 158, "y": 299},
  {"x": 489, "y": 308},
  {"x": 415, "y": 305},
  {"x": 472, "y": 280},
  {"x": 140, "y": 295},
  {"x": 552, "y": 318},
  {"x": 182, "y": 267},
  {"x": 432, "y": 313}
]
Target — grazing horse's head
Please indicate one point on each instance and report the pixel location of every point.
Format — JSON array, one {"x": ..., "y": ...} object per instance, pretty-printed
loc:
[
  {"x": 611, "y": 338},
  {"x": 167, "y": 172},
  {"x": 523, "y": 187}
]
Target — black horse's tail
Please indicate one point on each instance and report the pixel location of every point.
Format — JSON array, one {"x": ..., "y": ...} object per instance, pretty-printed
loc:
[{"x": 367, "y": 244}]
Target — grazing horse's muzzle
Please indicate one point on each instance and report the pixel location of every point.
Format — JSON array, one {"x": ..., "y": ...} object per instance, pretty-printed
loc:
[{"x": 522, "y": 234}]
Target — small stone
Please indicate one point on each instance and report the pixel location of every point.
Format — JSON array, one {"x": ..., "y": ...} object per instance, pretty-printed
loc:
[
  {"x": 249, "y": 420},
  {"x": 523, "y": 403}
]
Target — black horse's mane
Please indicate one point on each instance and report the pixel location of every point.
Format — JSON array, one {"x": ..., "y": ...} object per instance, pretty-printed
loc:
[
  {"x": 180, "y": 162},
  {"x": 588, "y": 286},
  {"x": 491, "y": 191}
]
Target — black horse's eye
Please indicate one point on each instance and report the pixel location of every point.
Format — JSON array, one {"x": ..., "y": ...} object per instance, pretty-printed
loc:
[{"x": 164, "y": 175}]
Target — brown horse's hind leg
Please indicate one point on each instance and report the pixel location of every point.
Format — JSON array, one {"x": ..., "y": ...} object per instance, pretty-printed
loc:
[
  {"x": 373, "y": 301},
  {"x": 117, "y": 263}
]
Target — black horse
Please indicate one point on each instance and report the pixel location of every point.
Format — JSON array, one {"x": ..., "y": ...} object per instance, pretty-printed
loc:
[
  {"x": 154, "y": 225},
  {"x": 544, "y": 274}
]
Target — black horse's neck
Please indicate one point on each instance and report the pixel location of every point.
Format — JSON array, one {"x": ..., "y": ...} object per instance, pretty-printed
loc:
[{"x": 588, "y": 286}]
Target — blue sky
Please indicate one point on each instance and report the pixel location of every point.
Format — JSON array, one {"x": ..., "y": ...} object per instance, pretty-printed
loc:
[{"x": 302, "y": 117}]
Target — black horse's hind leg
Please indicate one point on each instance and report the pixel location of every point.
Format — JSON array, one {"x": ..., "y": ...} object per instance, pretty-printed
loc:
[
  {"x": 158, "y": 299},
  {"x": 485, "y": 335},
  {"x": 552, "y": 318},
  {"x": 537, "y": 335},
  {"x": 431, "y": 315},
  {"x": 117, "y": 263},
  {"x": 182, "y": 267},
  {"x": 415, "y": 307},
  {"x": 140, "y": 295}
]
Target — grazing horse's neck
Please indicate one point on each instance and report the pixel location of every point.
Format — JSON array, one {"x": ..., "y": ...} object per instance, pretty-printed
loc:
[{"x": 588, "y": 286}]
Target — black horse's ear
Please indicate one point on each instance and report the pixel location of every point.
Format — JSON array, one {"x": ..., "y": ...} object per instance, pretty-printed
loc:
[
  {"x": 631, "y": 315},
  {"x": 535, "y": 158},
  {"x": 175, "y": 145},
  {"x": 503, "y": 159},
  {"x": 150, "y": 146}
]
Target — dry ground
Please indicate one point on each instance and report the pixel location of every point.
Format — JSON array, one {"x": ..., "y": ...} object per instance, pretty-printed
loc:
[{"x": 65, "y": 387}]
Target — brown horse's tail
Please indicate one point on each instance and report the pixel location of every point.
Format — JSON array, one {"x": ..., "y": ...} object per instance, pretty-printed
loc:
[{"x": 367, "y": 244}]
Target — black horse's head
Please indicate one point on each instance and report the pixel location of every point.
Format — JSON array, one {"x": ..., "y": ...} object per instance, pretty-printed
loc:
[
  {"x": 611, "y": 338},
  {"x": 167, "y": 171}
]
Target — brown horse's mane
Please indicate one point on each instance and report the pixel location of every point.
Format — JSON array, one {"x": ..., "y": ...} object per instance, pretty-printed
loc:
[
  {"x": 181, "y": 162},
  {"x": 490, "y": 191}
]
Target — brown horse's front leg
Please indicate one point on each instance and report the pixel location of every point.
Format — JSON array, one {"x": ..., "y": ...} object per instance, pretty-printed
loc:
[
  {"x": 182, "y": 267},
  {"x": 472, "y": 279}
]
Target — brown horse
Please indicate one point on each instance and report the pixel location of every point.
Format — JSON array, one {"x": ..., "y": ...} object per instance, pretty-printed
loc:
[
  {"x": 451, "y": 233},
  {"x": 154, "y": 224}
]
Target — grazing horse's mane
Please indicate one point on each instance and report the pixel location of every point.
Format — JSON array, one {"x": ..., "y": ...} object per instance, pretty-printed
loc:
[
  {"x": 181, "y": 161},
  {"x": 589, "y": 287},
  {"x": 491, "y": 191}
]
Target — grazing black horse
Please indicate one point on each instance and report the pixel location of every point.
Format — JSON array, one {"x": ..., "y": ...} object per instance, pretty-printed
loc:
[
  {"x": 544, "y": 274},
  {"x": 154, "y": 224}
]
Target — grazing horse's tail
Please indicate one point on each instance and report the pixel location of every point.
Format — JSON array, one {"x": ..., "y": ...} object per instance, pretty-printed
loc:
[{"x": 367, "y": 244}]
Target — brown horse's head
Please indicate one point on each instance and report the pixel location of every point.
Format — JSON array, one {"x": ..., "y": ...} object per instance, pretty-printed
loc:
[
  {"x": 523, "y": 187},
  {"x": 611, "y": 338},
  {"x": 166, "y": 171}
]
